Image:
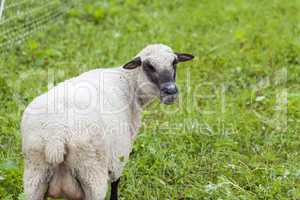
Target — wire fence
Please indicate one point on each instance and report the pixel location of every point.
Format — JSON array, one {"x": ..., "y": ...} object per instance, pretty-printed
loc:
[
  {"x": 1, "y": 7},
  {"x": 19, "y": 19}
]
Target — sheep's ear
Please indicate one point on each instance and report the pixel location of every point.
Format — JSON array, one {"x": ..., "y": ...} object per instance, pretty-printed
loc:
[
  {"x": 133, "y": 63},
  {"x": 182, "y": 57}
]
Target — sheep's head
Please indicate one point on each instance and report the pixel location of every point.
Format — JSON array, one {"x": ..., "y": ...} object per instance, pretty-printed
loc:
[{"x": 158, "y": 66}]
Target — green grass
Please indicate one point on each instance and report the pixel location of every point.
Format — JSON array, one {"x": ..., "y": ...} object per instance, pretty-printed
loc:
[{"x": 231, "y": 136}]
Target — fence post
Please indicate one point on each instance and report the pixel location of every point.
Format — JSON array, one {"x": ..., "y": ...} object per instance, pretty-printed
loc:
[{"x": 1, "y": 8}]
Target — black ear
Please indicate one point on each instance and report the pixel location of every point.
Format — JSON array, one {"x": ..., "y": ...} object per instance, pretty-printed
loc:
[
  {"x": 182, "y": 57},
  {"x": 133, "y": 63}
]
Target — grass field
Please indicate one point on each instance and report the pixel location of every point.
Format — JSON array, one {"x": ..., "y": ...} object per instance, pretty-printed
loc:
[{"x": 234, "y": 134}]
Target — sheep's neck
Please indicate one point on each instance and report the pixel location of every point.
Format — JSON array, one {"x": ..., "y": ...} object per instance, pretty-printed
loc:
[{"x": 139, "y": 101}]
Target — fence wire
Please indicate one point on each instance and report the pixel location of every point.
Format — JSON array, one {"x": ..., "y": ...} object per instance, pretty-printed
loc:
[
  {"x": 1, "y": 7},
  {"x": 19, "y": 19}
]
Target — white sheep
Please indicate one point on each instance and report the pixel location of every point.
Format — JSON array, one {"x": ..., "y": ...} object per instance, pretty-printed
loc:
[{"x": 77, "y": 137}]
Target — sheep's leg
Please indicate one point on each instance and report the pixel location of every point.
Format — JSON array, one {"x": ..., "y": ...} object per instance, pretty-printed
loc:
[
  {"x": 35, "y": 180},
  {"x": 114, "y": 190},
  {"x": 93, "y": 182}
]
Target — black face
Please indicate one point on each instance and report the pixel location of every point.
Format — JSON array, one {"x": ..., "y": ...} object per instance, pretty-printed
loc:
[
  {"x": 162, "y": 76},
  {"x": 164, "y": 80}
]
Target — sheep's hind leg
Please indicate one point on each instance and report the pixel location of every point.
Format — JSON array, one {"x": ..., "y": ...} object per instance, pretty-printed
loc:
[
  {"x": 114, "y": 190},
  {"x": 93, "y": 182},
  {"x": 36, "y": 180}
]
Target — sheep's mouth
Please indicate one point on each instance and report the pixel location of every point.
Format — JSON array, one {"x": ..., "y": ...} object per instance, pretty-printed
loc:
[{"x": 168, "y": 99}]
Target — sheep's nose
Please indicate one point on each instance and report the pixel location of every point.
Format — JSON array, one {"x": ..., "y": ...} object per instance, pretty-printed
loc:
[{"x": 169, "y": 88}]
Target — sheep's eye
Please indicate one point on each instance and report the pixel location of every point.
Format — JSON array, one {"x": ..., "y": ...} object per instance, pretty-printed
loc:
[
  {"x": 174, "y": 62},
  {"x": 150, "y": 67}
]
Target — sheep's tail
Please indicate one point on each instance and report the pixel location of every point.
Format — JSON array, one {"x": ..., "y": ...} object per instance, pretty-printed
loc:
[{"x": 55, "y": 151}]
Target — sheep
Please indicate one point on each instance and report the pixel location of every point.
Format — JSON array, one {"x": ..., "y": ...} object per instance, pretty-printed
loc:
[{"x": 77, "y": 137}]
